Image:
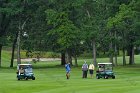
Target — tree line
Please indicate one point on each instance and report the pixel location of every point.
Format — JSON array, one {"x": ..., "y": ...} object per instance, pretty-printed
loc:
[{"x": 71, "y": 27}]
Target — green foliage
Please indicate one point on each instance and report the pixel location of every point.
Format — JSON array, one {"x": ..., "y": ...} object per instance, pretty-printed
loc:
[
  {"x": 52, "y": 55},
  {"x": 10, "y": 8},
  {"x": 63, "y": 28},
  {"x": 124, "y": 14},
  {"x": 57, "y": 25},
  {"x": 125, "y": 21},
  {"x": 39, "y": 54},
  {"x": 3, "y": 40}
]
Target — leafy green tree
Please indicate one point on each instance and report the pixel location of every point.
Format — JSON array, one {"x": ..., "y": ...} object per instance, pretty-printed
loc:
[
  {"x": 125, "y": 20},
  {"x": 17, "y": 25},
  {"x": 64, "y": 31},
  {"x": 95, "y": 17},
  {"x": 7, "y": 10}
]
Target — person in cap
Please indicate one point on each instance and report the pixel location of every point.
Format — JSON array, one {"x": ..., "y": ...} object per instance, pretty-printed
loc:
[{"x": 85, "y": 69}]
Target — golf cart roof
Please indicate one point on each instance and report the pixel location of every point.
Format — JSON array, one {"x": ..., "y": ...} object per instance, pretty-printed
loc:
[
  {"x": 24, "y": 64},
  {"x": 104, "y": 63}
]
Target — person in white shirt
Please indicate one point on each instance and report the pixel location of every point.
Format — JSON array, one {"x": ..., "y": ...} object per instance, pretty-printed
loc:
[
  {"x": 91, "y": 69},
  {"x": 21, "y": 71}
]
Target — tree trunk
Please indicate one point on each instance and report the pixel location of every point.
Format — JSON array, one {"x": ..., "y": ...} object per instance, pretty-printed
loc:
[
  {"x": 68, "y": 57},
  {"x": 75, "y": 58},
  {"x": 124, "y": 48},
  {"x": 133, "y": 60},
  {"x": 128, "y": 52},
  {"x": 94, "y": 52},
  {"x": 111, "y": 58},
  {"x": 18, "y": 49},
  {"x": 0, "y": 53},
  {"x": 63, "y": 61},
  {"x": 111, "y": 54},
  {"x": 104, "y": 52},
  {"x": 13, "y": 50},
  {"x": 116, "y": 63},
  {"x": 118, "y": 52},
  {"x": 93, "y": 44},
  {"x": 111, "y": 51},
  {"x": 131, "y": 57},
  {"x": 20, "y": 28},
  {"x": 124, "y": 60}
]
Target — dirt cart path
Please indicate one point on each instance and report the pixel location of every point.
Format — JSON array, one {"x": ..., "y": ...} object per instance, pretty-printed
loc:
[{"x": 41, "y": 59}]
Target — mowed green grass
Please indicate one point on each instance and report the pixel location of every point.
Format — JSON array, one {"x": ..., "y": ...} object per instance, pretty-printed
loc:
[
  {"x": 53, "y": 80},
  {"x": 50, "y": 78}
]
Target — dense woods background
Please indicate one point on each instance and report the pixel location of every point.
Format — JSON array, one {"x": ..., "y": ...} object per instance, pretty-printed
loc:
[{"x": 72, "y": 27}]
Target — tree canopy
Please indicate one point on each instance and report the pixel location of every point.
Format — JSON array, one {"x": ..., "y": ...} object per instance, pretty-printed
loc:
[{"x": 71, "y": 27}]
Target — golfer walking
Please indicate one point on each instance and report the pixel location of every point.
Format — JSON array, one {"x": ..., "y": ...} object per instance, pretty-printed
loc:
[{"x": 67, "y": 67}]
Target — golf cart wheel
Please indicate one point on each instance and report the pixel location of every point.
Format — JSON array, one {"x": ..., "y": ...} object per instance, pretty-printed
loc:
[
  {"x": 113, "y": 77},
  {"x": 105, "y": 77},
  {"x": 26, "y": 78},
  {"x": 18, "y": 79},
  {"x": 33, "y": 78},
  {"x": 97, "y": 77}
]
